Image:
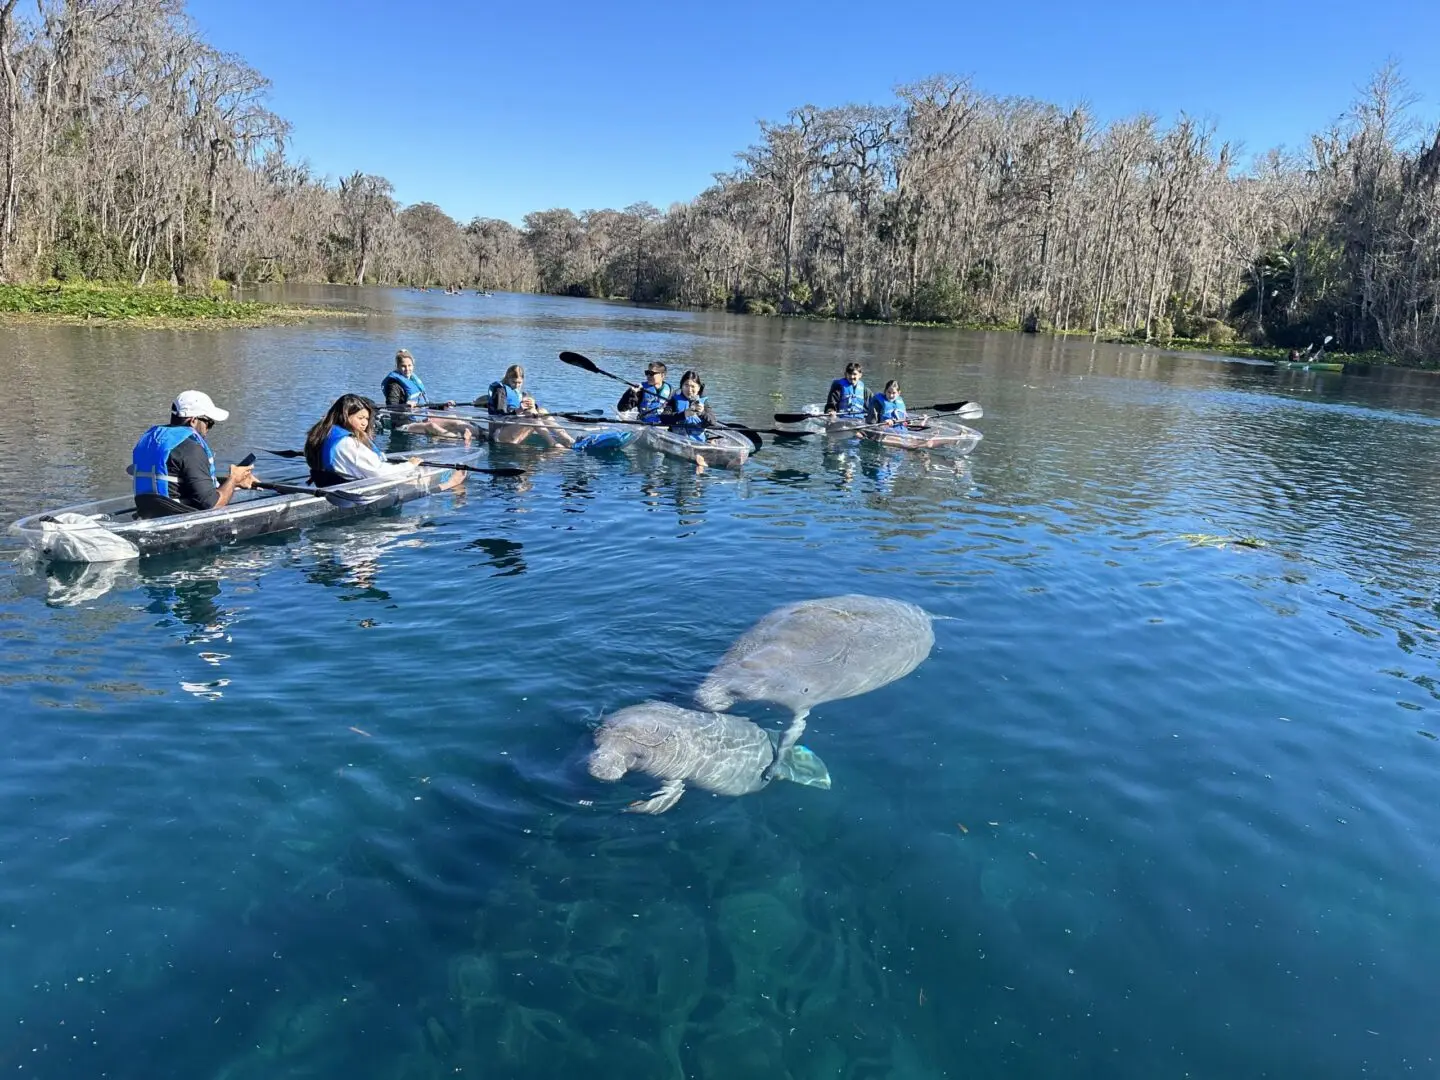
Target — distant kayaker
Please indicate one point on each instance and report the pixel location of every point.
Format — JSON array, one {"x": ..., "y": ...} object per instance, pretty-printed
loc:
[
  {"x": 404, "y": 390},
  {"x": 847, "y": 395},
  {"x": 508, "y": 398},
  {"x": 648, "y": 400},
  {"x": 340, "y": 447},
  {"x": 1294, "y": 356},
  {"x": 888, "y": 408},
  {"x": 173, "y": 466}
]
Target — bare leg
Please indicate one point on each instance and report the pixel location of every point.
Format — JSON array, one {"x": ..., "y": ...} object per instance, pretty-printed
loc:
[
  {"x": 699, "y": 463},
  {"x": 668, "y": 795}
]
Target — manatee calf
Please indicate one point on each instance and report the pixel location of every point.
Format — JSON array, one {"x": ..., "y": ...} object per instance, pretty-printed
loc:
[
  {"x": 728, "y": 755},
  {"x": 814, "y": 651}
]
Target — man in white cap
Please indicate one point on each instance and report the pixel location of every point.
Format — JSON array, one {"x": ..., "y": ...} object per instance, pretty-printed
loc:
[{"x": 173, "y": 466}]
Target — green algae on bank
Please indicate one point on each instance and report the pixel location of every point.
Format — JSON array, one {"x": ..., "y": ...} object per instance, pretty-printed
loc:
[{"x": 156, "y": 307}]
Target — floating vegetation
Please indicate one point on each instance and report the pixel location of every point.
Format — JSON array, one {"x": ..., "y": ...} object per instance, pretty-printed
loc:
[{"x": 1216, "y": 541}]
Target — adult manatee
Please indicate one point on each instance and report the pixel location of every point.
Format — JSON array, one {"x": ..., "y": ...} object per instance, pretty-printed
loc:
[
  {"x": 814, "y": 651},
  {"x": 728, "y": 755}
]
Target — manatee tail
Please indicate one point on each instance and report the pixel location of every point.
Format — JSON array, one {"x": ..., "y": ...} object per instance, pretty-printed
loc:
[{"x": 801, "y": 765}]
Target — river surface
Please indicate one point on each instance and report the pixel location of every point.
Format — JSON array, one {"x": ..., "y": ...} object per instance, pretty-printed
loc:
[{"x": 1156, "y": 806}]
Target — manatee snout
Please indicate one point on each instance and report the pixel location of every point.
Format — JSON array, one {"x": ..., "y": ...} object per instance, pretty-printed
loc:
[
  {"x": 714, "y": 697},
  {"x": 609, "y": 760}
]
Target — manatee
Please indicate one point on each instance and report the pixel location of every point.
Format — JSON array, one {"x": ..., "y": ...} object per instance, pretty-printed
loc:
[
  {"x": 728, "y": 755},
  {"x": 804, "y": 654}
]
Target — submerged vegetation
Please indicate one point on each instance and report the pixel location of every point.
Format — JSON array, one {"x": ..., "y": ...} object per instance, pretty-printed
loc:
[{"x": 130, "y": 149}]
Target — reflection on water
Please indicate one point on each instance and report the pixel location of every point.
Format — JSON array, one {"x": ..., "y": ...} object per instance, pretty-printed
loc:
[{"x": 316, "y": 806}]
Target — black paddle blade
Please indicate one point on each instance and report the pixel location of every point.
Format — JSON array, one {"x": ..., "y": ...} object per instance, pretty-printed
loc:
[
  {"x": 793, "y": 417},
  {"x": 755, "y": 439},
  {"x": 285, "y": 453},
  {"x": 946, "y": 406},
  {"x": 575, "y": 359},
  {"x": 502, "y": 470},
  {"x": 591, "y": 418}
]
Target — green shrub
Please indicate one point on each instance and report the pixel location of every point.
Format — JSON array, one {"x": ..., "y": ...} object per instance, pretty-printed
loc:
[
  {"x": 1216, "y": 332},
  {"x": 1162, "y": 329}
]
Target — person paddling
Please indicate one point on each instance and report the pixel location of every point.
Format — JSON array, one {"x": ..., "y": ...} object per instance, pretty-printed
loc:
[
  {"x": 508, "y": 398},
  {"x": 649, "y": 399},
  {"x": 888, "y": 408},
  {"x": 404, "y": 390},
  {"x": 339, "y": 448},
  {"x": 174, "y": 467},
  {"x": 846, "y": 399}
]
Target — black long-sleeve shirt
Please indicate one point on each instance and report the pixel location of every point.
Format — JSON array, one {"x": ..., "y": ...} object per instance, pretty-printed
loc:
[{"x": 193, "y": 490}]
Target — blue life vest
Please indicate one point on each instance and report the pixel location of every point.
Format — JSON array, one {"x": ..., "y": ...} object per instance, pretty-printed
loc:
[
  {"x": 683, "y": 420},
  {"x": 414, "y": 388},
  {"x": 512, "y": 397},
  {"x": 149, "y": 461},
  {"x": 329, "y": 474},
  {"x": 885, "y": 409},
  {"x": 852, "y": 398},
  {"x": 652, "y": 401}
]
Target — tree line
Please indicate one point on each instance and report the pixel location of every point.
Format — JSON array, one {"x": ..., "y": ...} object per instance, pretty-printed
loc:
[{"x": 133, "y": 150}]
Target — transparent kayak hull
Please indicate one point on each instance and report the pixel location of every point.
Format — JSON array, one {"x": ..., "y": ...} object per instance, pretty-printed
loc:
[
  {"x": 109, "y": 531},
  {"x": 938, "y": 433},
  {"x": 719, "y": 447}
]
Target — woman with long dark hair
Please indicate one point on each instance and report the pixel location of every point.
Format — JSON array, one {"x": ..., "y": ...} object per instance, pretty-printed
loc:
[{"x": 340, "y": 447}]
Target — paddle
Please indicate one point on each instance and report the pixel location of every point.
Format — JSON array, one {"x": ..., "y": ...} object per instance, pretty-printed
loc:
[
  {"x": 503, "y": 470},
  {"x": 575, "y": 359},
  {"x": 323, "y": 493},
  {"x": 968, "y": 410},
  {"x": 588, "y": 418}
]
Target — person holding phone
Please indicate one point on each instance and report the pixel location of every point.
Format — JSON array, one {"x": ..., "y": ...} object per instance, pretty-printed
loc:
[{"x": 173, "y": 466}]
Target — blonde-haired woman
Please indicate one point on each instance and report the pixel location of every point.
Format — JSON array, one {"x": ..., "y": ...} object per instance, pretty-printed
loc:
[{"x": 508, "y": 398}]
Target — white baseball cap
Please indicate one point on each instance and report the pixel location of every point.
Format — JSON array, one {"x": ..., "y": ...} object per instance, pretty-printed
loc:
[{"x": 194, "y": 403}]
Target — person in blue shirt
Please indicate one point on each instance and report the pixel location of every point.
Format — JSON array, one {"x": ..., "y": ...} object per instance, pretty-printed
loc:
[
  {"x": 847, "y": 397},
  {"x": 174, "y": 467},
  {"x": 888, "y": 408}
]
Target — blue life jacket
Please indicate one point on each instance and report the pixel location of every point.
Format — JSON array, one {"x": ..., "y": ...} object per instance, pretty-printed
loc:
[
  {"x": 852, "y": 398},
  {"x": 329, "y": 474},
  {"x": 652, "y": 401},
  {"x": 512, "y": 397},
  {"x": 885, "y": 409},
  {"x": 149, "y": 461},
  {"x": 414, "y": 388},
  {"x": 683, "y": 420}
]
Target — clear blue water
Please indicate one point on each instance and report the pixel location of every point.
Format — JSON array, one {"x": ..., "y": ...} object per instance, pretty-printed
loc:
[{"x": 316, "y": 806}]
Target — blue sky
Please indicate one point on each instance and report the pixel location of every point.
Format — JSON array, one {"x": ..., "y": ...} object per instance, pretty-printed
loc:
[{"x": 500, "y": 109}]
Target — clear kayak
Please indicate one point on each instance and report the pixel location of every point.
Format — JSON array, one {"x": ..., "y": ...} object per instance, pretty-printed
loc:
[
  {"x": 937, "y": 432},
  {"x": 110, "y": 531},
  {"x": 714, "y": 446}
]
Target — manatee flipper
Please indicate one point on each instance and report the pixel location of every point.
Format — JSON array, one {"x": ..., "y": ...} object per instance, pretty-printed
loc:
[
  {"x": 787, "y": 742},
  {"x": 803, "y": 766},
  {"x": 668, "y": 795}
]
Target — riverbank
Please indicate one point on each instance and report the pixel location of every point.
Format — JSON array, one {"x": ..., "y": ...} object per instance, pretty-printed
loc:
[
  {"x": 155, "y": 307},
  {"x": 1239, "y": 349}
]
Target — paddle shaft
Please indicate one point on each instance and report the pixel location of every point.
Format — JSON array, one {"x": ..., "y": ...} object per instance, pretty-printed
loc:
[
  {"x": 502, "y": 470},
  {"x": 944, "y": 407}
]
